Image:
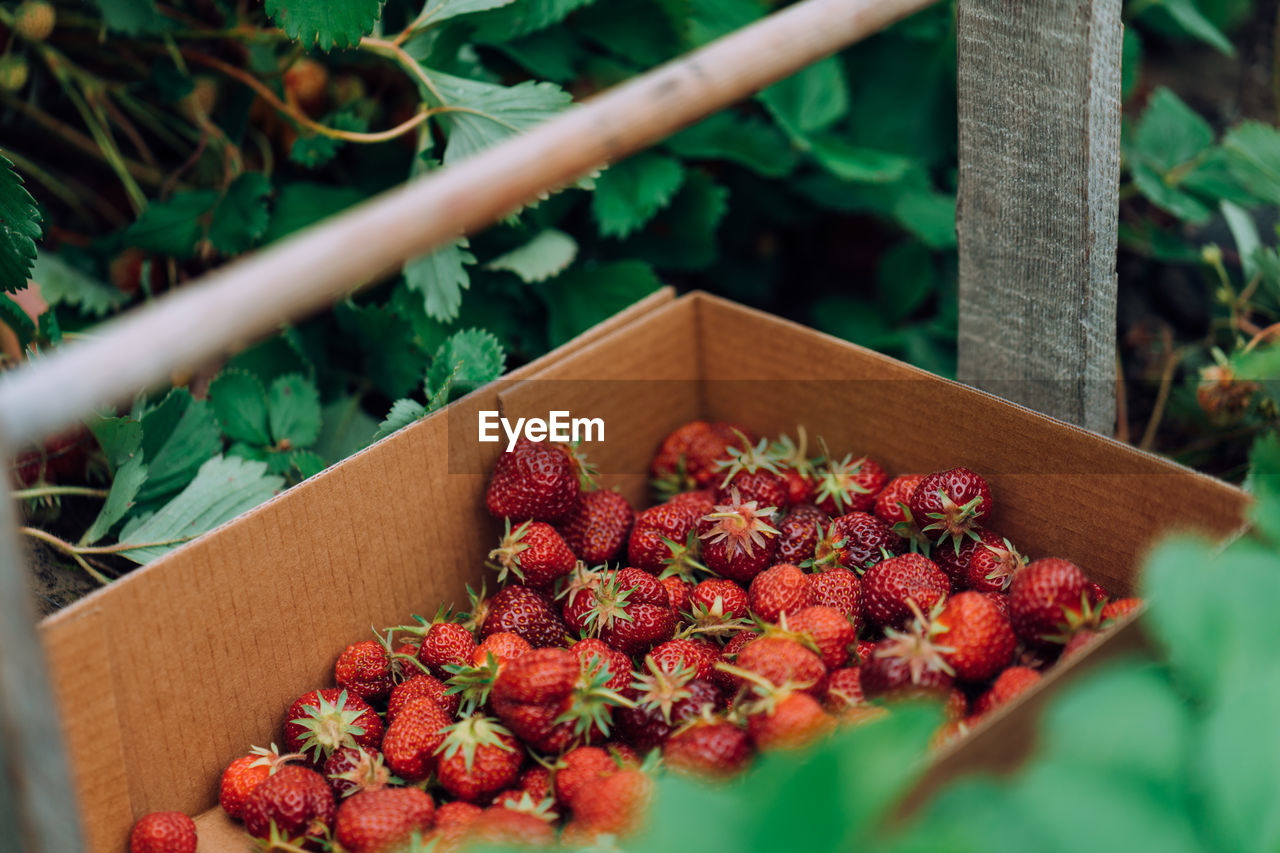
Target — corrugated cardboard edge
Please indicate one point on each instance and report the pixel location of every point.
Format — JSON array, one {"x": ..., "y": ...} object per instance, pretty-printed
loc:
[{"x": 78, "y": 640}]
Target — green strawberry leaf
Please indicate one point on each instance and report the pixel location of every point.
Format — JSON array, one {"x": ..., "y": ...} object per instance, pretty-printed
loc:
[
  {"x": 709, "y": 19},
  {"x": 313, "y": 150},
  {"x": 178, "y": 435},
  {"x": 1193, "y": 22},
  {"x": 642, "y": 32},
  {"x": 293, "y": 408},
  {"x": 119, "y": 438},
  {"x": 589, "y": 293},
  {"x": 749, "y": 141},
  {"x": 240, "y": 403},
  {"x": 1238, "y": 774},
  {"x": 683, "y": 237},
  {"x": 466, "y": 360},
  {"x": 489, "y": 113},
  {"x": 224, "y": 487},
  {"x": 63, "y": 284},
  {"x": 131, "y": 17},
  {"x": 1264, "y": 482},
  {"x": 304, "y": 464},
  {"x": 630, "y": 193},
  {"x": 518, "y": 19},
  {"x": 546, "y": 255},
  {"x": 440, "y": 277},
  {"x": 1170, "y": 133},
  {"x": 435, "y": 11},
  {"x": 303, "y": 203},
  {"x": 403, "y": 413},
  {"x": 810, "y": 100},
  {"x": 125, "y": 485},
  {"x": 345, "y": 429},
  {"x": 240, "y": 217},
  {"x": 852, "y": 163},
  {"x": 172, "y": 227},
  {"x": 326, "y": 23},
  {"x": 393, "y": 360},
  {"x": 930, "y": 215},
  {"x": 19, "y": 229},
  {"x": 1252, "y": 152}
]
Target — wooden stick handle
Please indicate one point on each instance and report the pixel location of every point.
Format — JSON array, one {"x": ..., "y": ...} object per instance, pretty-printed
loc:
[{"x": 248, "y": 299}]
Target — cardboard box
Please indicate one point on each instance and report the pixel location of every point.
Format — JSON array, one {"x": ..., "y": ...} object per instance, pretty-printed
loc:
[{"x": 167, "y": 675}]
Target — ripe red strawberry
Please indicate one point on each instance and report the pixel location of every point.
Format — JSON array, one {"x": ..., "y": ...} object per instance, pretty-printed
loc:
[
  {"x": 688, "y": 457},
  {"x": 499, "y": 825},
  {"x": 1010, "y": 684},
  {"x": 708, "y": 746},
  {"x": 844, "y": 690},
  {"x": 718, "y": 606},
  {"x": 849, "y": 485},
  {"x": 954, "y": 561},
  {"x": 526, "y": 612},
  {"x": 765, "y": 488},
  {"x": 1096, "y": 592},
  {"x": 1043, "y": 595},
  {"x": 477, "y": 759},
  {"x": 580, "y": 768},
  {"x": 631, "y": 612},
  {"x": 364, "y": 669},
  {"x": 662, "y": 538},
  {"x": 889, "y": 585},
  {"x": 977, "y": 634},
  {"x": 840, "y": 589},
  {"x": 1079, "y": 640},
  {"x": 905, "y": 663},
  {"x": 856, "y": 540},
  {"x": 778, "y": 590},
  {"x": 594, "y": 653},
  {"x": 949, "y": 505},
  {"x": 246, "y": 773},
  {"x": 445, "y": 644},
  {"x": 504, "y": 646},
  {"x": 355, "y": 768},
  {"x": 598, "y": 526},
  {"x": 535, "y": 480},
  {"x": 828, "y": 629},
  {"x": 453, "y": 822},
  {"x": 891, "y": 504},
  {"x": 418, "y": 687},
  {"x": 534, "y": 553},
  {"x": 1118, "y": 609},
  {"x": 382, "y": 821},
  {"x": 800, "y": 471},
  {"x": 413, "y": 739},
  {"x": 536, "y": 782},
  {"x": 992, "y": 565},
  {"x": 306, "y": 82},
  {"x": 787, "y": 719},
  {"x": 782, "y": 661},
  {"x": 163, "y": 832},
  {"x": 320, "y": 721},
  {"x": 799, "y": 532},
  {"x": 297, "y": 800},
  {"x": 665, "y": 701},
  {"x": 546, "y": 699},
  {"x": 864, "y": 650},
  {"x": 677, "y": 654},
  {"x": 737, "y": 643},
  {"x": 738, "y": 542},
  {"x": 679, "y": 592},
  {"x": 614, "y": 806}
]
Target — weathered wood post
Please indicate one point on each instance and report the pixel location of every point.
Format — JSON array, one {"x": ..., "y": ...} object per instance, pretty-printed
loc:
[{"x": 1039, "y": 113}]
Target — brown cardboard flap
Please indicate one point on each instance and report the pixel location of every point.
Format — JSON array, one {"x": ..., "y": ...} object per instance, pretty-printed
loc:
[{"x": 166, "y": 675}]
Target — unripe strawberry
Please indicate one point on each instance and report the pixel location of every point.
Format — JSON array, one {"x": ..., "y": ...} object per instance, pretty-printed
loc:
[
  {"x": 306, "y": 82},
  {"x": 13, "y": 73},
  {"x": 34, "y": 20},
  {"x": 201, "y": 100}
]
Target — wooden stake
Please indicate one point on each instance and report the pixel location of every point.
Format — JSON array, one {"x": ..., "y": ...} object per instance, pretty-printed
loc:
[
  {"x": 252, "y": 297},
  {"x": 1039, "y": 103}
]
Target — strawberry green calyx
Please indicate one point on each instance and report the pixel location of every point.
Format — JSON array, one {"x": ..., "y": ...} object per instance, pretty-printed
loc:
[
  {"x": 506, "y": 557},
  {"x": 916, "y": 646},
  {"x": 609, "y": 607},
  {"x": 478, "y": 608},
  {"x": 838, "y": 481},
  {"x": 747, "y": 458},
  {"x": 543, "y": 809},
  {"x": 586, "y": 471},
  {"x": 711, "y": 621},
  {"x": 683, "y": 562},
  {"x": 468, "y": 735},
  {"x": 742, "y": 526},
  {"x": 795, "y": 454},
  {"x": 472, "y": 683},
  {"x": 672, "y": 483},
  {"x": 271, "y": 758},
  {"x": 421, "y": 625},
  {"x": 661, "y": 689},
  {"x": 955, "y": 521},
  {"x": 328, "y": 725},
  {"x": 826, "y": 551},
  {"x": 591, "y": 701},
  {"x": 278, "y": 841},
  {"x": 780, "y": 630},
  {"x": 369, "y": 773},
  {"x": 1087, "y": 618}
]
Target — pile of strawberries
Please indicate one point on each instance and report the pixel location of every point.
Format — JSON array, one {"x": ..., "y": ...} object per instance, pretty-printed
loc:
[{"x": 769, "y": 598}]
